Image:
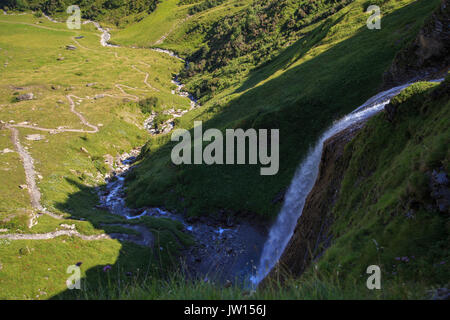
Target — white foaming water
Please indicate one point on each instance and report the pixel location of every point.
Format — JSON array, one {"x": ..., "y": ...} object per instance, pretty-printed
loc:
[{"x": 304, "y": 180}]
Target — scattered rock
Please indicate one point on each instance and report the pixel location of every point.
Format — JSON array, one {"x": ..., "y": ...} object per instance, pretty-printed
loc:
[
  {"x": 71, "y": 47},
  {"x": 25, "y": 96},
  {"x": 67, "y": 226},
  {"x": 439, "y": 294},
  {"x": 109, "y": 160},
  {"x": 60, "y": 58},
  {"x": 23, "y": 186},
  {"x": 6, "y": 150},
  {"x": 83, "y": 149},
  {"x": 91, "y": 84},
  {"x": 440, "y": 190},
  {"x": 34, "y": 137}
]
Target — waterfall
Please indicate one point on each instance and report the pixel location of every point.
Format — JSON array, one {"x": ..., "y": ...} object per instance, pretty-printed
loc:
[{"x": 304, "y": 180}]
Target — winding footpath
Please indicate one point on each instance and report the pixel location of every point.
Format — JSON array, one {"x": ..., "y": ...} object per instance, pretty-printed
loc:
[
  {"x": 146, "y": 237},
  {"x": 52, "y": 235}
]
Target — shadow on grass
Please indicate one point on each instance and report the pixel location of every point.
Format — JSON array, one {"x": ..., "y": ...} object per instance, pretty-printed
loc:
[
  {"x": 326, "y": 87},
  {"x": 290, "y": 55},
  {"x": 302, "y": 102},
  {"x": 135, "y": 261}
]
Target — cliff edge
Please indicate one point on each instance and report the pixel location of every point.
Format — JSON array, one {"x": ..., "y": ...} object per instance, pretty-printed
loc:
[{"x": 428, "y": 56}]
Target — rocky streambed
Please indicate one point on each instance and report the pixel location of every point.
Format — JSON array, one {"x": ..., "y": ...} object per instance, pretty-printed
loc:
[
  {"x": 149, "y": 123},
  {"x": 226, "y": 248},
  {"x": 169, "y": 124}
]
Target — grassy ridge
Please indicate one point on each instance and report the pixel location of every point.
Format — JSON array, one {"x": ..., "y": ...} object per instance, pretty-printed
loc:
[{"x": 328, "y": 72}]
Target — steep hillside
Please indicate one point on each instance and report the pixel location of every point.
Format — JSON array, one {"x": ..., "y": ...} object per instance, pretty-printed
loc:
[
  {"x": 177, "y": 25},
  {"x": 66, "y": 119},
  {"x": 406, "y": 191},
  {"x": 420, "y": 180},
  {"x": 333, "y": 66},
  {"x": 428, "y": 56},
  {"x": 77, "y": 188}
]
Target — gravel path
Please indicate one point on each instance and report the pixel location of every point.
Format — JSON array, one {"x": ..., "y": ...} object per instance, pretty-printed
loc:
[{"x": 145, "y": 239}]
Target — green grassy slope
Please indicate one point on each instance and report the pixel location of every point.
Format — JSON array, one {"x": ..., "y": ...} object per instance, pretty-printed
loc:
[
  {"x": 172, "y": 26},
  {"x": 385, "y": 215},
  {"x": 333, "y": 67},
  {"x": 146, "y": 32},
  {"x": 316, "y": 73},
  {"x": 34, "y": 59}
]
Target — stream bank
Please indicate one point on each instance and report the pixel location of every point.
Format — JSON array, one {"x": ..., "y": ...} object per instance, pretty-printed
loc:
[{"x": 225, "y": 248}]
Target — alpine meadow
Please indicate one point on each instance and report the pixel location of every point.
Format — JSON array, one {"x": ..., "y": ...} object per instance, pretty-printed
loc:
[{"x": 224, "y": 150}]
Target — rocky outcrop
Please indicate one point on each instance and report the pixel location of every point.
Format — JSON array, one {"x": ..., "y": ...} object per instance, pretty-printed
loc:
[
  {"x": 428, "y": 56},
  {"x": 440, "y": 190},
  {"x": 311, "y": 235}
]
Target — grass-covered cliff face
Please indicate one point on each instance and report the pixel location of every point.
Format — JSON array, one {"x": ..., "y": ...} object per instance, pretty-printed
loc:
[
  {"x": 333, "y": 66},
  {"x": 391, "y": 210}
]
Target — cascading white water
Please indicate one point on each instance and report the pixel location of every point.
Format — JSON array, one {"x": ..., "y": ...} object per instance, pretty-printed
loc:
[{"x": 304, "y": 180}]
